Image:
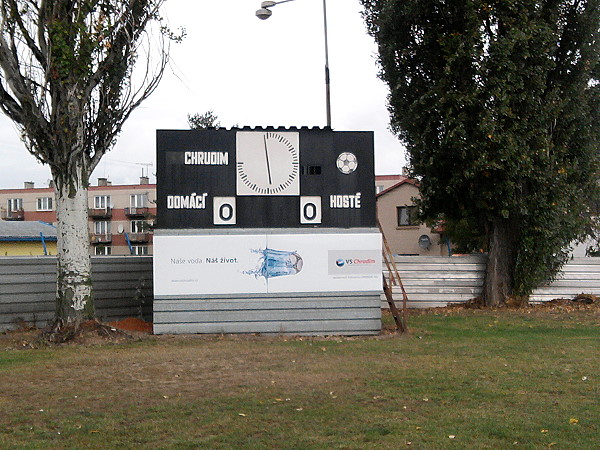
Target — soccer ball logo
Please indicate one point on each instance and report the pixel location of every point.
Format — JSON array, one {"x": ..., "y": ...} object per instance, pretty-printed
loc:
[{"x": 347, "y": 163}]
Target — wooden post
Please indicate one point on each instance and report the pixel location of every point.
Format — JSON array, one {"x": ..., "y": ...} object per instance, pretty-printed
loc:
[{"x": 394, "y": 275}]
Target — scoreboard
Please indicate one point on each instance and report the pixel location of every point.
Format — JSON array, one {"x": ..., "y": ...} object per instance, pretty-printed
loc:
[
  {"x": 279, "y": 220},
  {"x": 265, "y": 178}
]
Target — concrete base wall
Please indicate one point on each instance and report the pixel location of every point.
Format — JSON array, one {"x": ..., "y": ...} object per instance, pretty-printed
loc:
[{"x": 300, "y": 314}]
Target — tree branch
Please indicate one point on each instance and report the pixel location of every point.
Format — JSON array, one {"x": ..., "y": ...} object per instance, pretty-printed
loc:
[
  {"x": 10, "y": 106},
  {"x": 29, "y": 41}
]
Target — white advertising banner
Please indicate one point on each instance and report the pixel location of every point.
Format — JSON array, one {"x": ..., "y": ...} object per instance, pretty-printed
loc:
[{"x": 267, "y": 263}]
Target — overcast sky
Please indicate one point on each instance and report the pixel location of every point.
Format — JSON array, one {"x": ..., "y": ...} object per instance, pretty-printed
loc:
[{"x": 249, "y": 72}]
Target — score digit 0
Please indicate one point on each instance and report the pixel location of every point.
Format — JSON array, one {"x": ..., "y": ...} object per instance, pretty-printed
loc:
[
  {"x": 224, "y": 210},
  {"x": 310, "y": 210}
]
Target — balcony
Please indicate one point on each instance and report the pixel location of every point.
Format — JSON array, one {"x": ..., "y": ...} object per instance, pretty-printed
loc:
[
  {"x": 19, "y": 214},
  {"x": 100, "y": 213},
  {"x": 137, "y": 238},
  {"x": 136, "y": 212},
  {"x": 101, "y": 238}
]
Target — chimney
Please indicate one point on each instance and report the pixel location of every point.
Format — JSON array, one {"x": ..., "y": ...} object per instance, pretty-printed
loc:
[
  {"x": 102, "y": 181},
  {"x": 144, "y": 180},
  {"x": 29, "y": 185}
]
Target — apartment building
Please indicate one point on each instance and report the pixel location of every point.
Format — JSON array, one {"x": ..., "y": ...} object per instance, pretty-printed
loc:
[{"x": 120, "y": 216}]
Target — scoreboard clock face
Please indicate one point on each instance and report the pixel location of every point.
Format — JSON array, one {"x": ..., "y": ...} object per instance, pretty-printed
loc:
[
  {"x": 267, "y": 163},
  {"x": 265, "y": 178}
]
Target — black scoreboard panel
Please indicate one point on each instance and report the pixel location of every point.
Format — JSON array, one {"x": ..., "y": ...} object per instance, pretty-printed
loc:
[{"x": 205, "y": 178}]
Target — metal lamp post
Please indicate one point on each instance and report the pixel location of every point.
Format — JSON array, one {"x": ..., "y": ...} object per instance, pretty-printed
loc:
[{"x": 264, "y": 13}]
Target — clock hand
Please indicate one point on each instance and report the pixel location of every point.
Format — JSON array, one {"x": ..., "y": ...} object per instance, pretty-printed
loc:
[{"x": 267, "y": 157}]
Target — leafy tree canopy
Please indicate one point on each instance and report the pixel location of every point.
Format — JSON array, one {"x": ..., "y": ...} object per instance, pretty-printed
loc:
[
  {"x": 498, "y": 104},
  {"x": 202, "y": 121}
]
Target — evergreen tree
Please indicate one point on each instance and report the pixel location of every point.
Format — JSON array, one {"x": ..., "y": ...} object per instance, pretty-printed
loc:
[{"x": 497, "y": 102}]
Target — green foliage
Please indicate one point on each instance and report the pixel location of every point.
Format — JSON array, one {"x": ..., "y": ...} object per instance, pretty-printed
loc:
[
  {"x": 465, "y": 236},
  {"x": 203, "y": 121},
  {"x": 498, "y": 104}
]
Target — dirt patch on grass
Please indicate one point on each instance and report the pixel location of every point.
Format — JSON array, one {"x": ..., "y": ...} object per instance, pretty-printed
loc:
[
  {"x": 132, "y": 324},
  {"x": 583, "y": 302},
  {"x": 18, "y": 339},
  {"x": 90, "y": 332}
]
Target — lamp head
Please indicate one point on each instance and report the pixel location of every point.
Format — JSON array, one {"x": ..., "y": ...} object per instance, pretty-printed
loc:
[{"x": 263, "y": 13}]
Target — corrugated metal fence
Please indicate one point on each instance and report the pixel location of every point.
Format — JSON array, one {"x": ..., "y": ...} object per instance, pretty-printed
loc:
[
  {"x": 435, "y": 282},
  {"x": 579, "y": 276},
  {"x": 122, "y": 286}
]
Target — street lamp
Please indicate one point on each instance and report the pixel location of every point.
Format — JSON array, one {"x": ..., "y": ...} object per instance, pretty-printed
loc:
[{"x": 264, "y": 13}]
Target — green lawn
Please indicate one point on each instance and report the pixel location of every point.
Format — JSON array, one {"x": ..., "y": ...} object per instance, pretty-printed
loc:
[{"x": 461, "y": 379}]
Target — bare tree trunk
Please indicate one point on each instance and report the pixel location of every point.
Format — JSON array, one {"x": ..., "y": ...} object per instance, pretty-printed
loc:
[
  {"x": 74, "y": 300},
  {"x": 498, "y": 283}
]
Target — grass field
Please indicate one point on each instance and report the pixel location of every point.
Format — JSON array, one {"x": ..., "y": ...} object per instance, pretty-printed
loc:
[{"x": 461, "y": 379}]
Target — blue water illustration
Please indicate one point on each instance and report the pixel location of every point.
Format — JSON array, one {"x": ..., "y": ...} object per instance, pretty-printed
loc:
[{"x": 276, "y": 263}]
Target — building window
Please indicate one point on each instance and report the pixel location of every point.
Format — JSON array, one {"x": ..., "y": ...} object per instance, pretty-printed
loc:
[
  {"x": 44, "y": 204},
  {"x": 137, "y": 200},
  {"x": 102, "y": 227},
  {"x": 14, "y": 204},
  {"x": 103, "y": 250},
  {"x": 379, "y": 188},
  {"x": 102, "y": 202},
  {"x": 138, "y": 226},
  {"x": 139, "y": 250},
  {"x": 407, "y": 216}
]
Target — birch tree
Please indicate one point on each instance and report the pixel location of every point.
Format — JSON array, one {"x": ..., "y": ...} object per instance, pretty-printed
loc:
[{"x": 71, "y": 73}]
